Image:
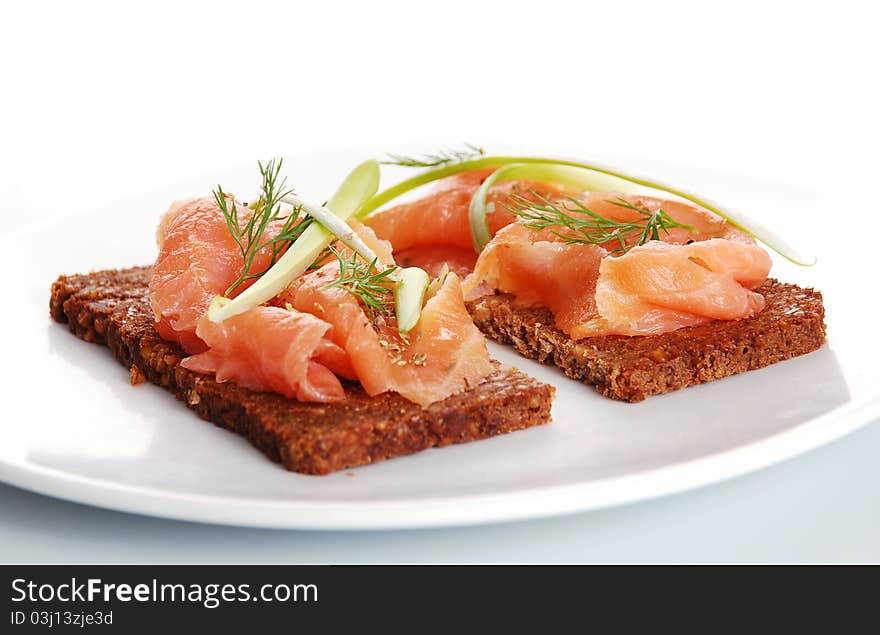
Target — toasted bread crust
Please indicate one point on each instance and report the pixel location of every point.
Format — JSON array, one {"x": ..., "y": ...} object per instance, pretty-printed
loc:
[
  {"x": 112, "y": 308},
  {"x": 633, "y": 368}
]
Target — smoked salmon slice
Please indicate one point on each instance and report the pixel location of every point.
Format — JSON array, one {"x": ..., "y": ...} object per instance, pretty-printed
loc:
[
  {"x": 444, "y": 354},
  {"x": 311, "y": 334},
  {"x": 268, "y": 348},
  {"x": 198, "y": 259},
  {"x": 265, "y": 348},
  {"x": 705, "y": 271},
  {"x": 540, "y": 271},
  {"x": 434, "y": 230},
  {"x": 658, "y": 287}
]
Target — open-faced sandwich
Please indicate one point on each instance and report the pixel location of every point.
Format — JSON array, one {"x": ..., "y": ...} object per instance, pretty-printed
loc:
[
  {"x": 603, "y": 274},
  {"x": 330, "y": 342},
  {"x": 291, "y": 324}
]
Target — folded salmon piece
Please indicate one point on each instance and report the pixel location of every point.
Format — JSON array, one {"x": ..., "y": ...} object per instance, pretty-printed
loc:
[
  {"x": 691, "y": 275},
  {"x": 444, "y": 354},
  {"x": 434, "y": 230},
  {"x": 268, "y": 348},
  {"x": 313, "y": 333},
  {"x": 198, "y": 258}
]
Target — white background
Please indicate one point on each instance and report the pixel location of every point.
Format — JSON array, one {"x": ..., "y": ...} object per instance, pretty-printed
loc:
[{"x": 101, "y": 101}]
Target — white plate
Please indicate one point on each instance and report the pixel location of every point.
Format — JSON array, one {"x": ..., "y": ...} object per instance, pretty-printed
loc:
[{"x": 77, "y": 430}]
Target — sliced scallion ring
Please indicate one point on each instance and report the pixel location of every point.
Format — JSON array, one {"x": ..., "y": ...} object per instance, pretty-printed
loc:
[{"x": 409, "y": 296}]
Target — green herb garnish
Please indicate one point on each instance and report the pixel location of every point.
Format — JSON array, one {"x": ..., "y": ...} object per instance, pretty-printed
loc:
[
  {"x": 589, "y": 227},
  {"x": 372, "y": 287},
  {"x": 267, "y": 209},
  {"x": 360, "y": 184},
  {"x": 443, "y": 157}
]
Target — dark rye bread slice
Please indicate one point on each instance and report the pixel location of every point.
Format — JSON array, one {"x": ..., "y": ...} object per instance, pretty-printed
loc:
[
  {"x": 111, "y": 307},
  {"x": 633, "y": 368}
]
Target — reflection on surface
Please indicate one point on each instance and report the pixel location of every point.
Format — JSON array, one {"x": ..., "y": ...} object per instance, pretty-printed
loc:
[
  {"x": 142, "y": 436},
  {"x": 613, "y": 438},
  {"x": 103, "y": 427},
  {"x": 95, "y": 414}
]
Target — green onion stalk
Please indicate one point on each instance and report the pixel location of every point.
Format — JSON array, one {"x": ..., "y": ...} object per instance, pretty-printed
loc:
[
  {"x": 585, "y": 176},
  {"x": 361, "y": 184}
]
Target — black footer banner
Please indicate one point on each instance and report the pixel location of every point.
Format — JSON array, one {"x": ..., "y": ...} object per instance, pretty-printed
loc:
[{"x": 247, "y": 598}]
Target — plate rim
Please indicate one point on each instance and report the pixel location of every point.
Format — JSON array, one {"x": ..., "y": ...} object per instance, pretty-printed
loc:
[{"x": 452, "y": 511}]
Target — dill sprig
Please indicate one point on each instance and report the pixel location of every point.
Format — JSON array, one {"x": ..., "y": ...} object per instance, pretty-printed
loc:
[
  {"x": 267, "y": 209},
  {"x": 432, "y": 160},
  {"x": 590, "y": 227},
  {"x": 365, "y": 282}
]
